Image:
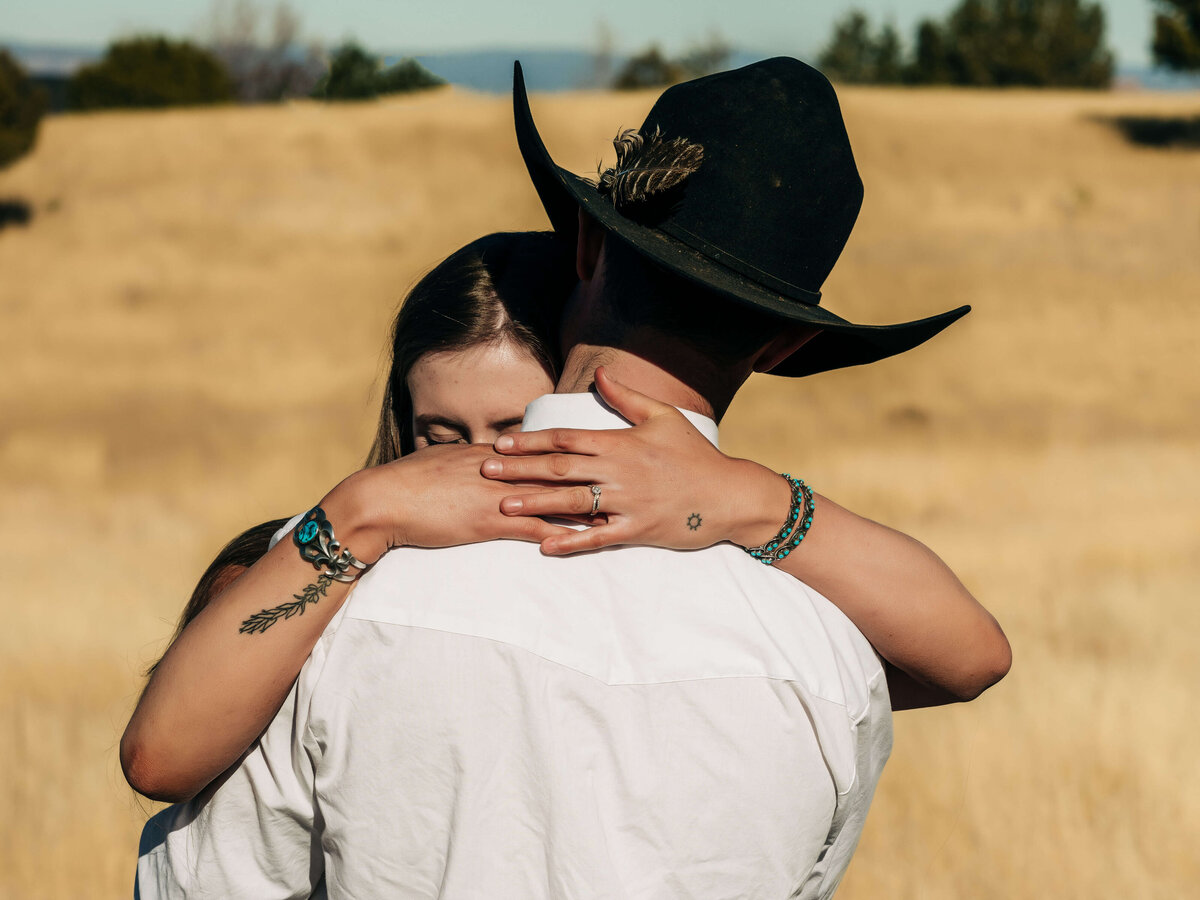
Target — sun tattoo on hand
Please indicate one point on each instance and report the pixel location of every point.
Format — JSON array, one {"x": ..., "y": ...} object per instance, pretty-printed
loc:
[{"x": 694, "y": 521}]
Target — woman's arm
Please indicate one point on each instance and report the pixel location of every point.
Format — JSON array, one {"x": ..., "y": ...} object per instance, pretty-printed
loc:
[
  {"x": 228, "y": 671},
  {"x": 943, "y": 646},
  {"x": 235, "y": 558}
]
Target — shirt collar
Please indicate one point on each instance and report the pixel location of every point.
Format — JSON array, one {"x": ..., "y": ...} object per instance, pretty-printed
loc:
[{"x": 590, "y": 412}]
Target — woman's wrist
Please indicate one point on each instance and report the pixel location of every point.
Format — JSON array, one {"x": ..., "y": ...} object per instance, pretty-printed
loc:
[
  {"x": 761, "y": 503},
  {"x": 354, "y": 512}
]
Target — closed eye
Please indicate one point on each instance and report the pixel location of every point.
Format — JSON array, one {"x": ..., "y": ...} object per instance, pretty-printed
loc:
[{"x": 434, "y": 431}]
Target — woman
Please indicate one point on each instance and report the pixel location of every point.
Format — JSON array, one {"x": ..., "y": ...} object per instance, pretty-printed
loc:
[{"x": 472, "y": 345}]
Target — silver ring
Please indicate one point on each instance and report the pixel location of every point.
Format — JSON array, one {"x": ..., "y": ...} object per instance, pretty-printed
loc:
[{"x": 595, "y": 499}]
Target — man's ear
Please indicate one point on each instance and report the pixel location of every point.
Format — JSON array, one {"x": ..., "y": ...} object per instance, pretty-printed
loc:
[
  {"x": 588, "y": 247},
  {"x": 787, "y": 342}
]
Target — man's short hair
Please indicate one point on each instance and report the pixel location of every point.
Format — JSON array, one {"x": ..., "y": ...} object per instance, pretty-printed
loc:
[{"x": 641, "y": 295}]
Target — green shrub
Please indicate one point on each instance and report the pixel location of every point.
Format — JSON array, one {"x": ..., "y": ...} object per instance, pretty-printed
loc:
[
  {"x": 354, "y": 74},
  {"x": 855, "y": 54},
  {"x": 1177, "y": 34},
  {"x": 986, "y": 43},
  {"x": 650, "y": 68},
  {"x": 407, "y": 75},
  {"x": 150, "y": 72},
  {"x": 22, "y": 104}
]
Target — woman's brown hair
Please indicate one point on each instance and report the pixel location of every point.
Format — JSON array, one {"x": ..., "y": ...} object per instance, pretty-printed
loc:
[{"x": 505, "y": 286}]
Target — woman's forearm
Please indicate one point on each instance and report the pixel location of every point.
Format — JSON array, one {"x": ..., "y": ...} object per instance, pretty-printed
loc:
[
  {"x": 226, "y": 675},
  {"x": 903, "y": 598}
]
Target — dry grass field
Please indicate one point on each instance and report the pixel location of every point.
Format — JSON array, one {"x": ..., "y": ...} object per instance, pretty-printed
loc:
[{"x": 192, "y": 329}]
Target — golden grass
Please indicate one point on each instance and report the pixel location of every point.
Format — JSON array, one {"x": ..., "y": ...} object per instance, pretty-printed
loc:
[{"x": 194, "y": 318}]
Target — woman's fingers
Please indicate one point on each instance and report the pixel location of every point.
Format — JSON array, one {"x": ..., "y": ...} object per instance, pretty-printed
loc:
[
  {"x": 634, "y": 406},
  {"x": 551, "y": 440},
  {"x": 572, "y": 501},
  {"x": 579, "y": 541},
  {"x": 534, "y": 530},
  {"x": 548, "y": 467}
]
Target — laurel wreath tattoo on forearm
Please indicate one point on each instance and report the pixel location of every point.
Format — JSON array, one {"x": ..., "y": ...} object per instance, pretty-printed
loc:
[{"x": 261, "y": 621}]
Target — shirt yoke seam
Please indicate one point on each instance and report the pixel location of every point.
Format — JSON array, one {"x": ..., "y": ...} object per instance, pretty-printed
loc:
[{"x": 665, "y": 681}]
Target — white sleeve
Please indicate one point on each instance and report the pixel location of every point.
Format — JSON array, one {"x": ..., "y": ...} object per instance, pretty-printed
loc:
[
  {"x": 873, "y": 739},
  {"x": 285, "y": 530},
  {"x": 251, "y": 833}
]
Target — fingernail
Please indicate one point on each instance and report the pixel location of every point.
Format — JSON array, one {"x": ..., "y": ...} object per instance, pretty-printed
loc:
[
  {"x": 504, "y": 442},
  {"x": 549, "y": 547},
  {"x": 492, "y": 467},
  {"x": 512, "y": 504}
]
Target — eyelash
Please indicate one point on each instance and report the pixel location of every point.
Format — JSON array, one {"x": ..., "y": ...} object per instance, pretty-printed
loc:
[{"x": 432, "y": 443}]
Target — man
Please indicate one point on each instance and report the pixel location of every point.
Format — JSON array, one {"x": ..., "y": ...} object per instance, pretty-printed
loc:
[{"x": 484, "y": 721}]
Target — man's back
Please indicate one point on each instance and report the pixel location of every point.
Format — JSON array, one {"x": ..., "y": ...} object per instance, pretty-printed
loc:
[
  {"x": 485, "y": 721},
  {"x": 637, "y": 723}
]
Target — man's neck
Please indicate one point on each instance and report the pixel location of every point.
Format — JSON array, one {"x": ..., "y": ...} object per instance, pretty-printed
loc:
[{"x": 649, "y": 373}]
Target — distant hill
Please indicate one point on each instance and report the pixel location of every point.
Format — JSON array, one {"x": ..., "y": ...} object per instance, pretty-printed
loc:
[
  {"x": 1146, "y": 78},
  {"x": 545, "y": 70},
  {"x": 51, "y": 59},
  {"x": 490, "y": 70}
]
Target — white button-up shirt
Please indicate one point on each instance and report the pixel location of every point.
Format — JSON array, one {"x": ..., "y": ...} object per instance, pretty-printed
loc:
[{"x": 487, "y": 722}]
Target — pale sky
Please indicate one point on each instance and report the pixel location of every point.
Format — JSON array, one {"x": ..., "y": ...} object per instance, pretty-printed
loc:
[{"x": 793, "y": 27}]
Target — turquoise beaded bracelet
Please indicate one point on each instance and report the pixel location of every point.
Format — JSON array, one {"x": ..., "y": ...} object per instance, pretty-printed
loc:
[{"x": 795, "y": 527}]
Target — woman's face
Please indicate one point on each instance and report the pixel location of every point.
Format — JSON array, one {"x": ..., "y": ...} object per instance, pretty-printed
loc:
[{"x": 473, "y": 396}]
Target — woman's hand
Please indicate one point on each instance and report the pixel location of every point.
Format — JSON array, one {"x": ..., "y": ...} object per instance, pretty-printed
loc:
[
  {"x": 661, "y": 482},
  {"x": 434, "y": 497}
]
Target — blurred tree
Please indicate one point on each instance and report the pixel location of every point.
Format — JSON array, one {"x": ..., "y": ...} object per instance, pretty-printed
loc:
[
  {"x": 603, "y": 54},
  {"x": 889, "y": 64},
  {"x": 150, "y": 71},
  {"x": 969, "y": 32},
  {"x": 407, "y": 75},
  {"x": 1072, "y": 44},
  {"x": 850, "y": 54},
  {"x": 856, "y": 55},
  {"x": 650, "y": 68},
  {"x": 930, "y": 63},
  {"x": 22, "y": 104},
  {"x": 262, "y": 70},
  {"x": 1177, "y": 34},
  {"x": 355, "y": 74},
  {"x": 1006, "y": 43},
  {"x": 707, "y": 56},
  {"x": 352, "y": 75}
]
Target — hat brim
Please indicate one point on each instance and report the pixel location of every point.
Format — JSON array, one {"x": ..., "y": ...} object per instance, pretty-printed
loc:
[{"x": 840, "y": 344}]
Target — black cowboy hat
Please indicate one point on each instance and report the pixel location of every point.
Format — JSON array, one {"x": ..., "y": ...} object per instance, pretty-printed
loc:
[{"x": 765, "y": 215}]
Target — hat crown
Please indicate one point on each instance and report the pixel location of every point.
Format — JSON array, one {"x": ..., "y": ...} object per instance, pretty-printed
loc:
[
  {"x": 763, "y": 218},
  {"x": 778, "y": 191}
]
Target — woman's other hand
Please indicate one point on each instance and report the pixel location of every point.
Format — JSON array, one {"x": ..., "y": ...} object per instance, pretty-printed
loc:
[
  {"x": 434, "y": 497},
  {"x": 662, "y": 483}
]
